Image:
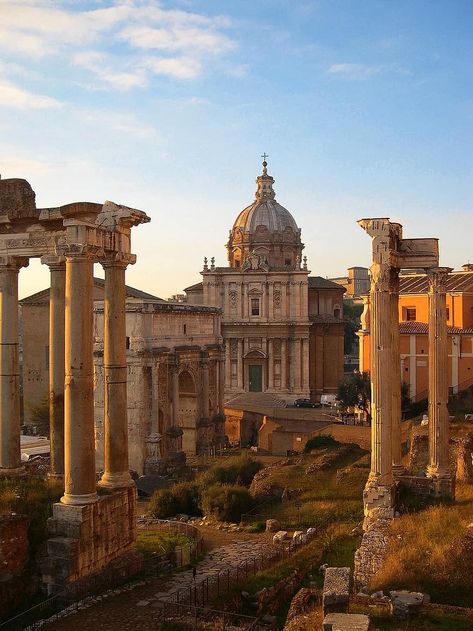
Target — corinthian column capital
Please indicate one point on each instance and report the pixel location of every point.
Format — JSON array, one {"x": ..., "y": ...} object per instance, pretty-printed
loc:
[
  {"x": 438, "y": 277},
  {"x": 118, "y": 260}
]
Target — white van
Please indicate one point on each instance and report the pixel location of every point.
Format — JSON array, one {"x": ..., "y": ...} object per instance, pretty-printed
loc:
[{"x": 329, "y": 399}]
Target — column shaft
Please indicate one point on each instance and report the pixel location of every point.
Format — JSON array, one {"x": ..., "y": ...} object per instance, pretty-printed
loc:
[
  {"x": 305, "y": 364},
  {"x": 438, "y": 375},
  {"x": 395, "y": 373},
  {"x": 381, "y": 392},
  {"x": 79, "y": 444},
  {"x": 10, "y": 458},
  {"x": 116, "y": 470},
  {"x": 175, "y": 392},
  {"x": 204, "y": 367},
  {"x": 284, "y": 364},
  {"x": 221, "y": 384},
  {"x": 270, "y": 364},
  {"x": 240, "y": 380}
]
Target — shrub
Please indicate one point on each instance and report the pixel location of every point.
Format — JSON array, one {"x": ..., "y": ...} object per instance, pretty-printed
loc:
[
  {"x": 226, "y": 502},
  {"x": 238, "y": 470},
  {"x": 316, "y": 442},
  {"x": 181, "y": 498}
]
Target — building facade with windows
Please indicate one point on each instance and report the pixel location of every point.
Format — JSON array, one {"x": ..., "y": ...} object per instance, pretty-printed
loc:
[
  {"x": 264, "y": 297},
  {"x": 413, "y": 327}
]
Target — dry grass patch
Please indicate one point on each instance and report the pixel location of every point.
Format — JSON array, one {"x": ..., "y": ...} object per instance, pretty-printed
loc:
[{"x": 428, "y": 552}]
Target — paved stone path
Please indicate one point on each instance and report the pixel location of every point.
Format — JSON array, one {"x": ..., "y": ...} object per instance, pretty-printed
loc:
[{"x": 140, "y": 608}]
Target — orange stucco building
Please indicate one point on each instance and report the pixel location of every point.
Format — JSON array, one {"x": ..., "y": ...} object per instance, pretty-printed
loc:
[{"x": 413, "y": 326}]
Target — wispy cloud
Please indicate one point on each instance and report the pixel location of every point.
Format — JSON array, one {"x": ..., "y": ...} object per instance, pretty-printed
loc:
[
  {"x": 360, "y": 72},
  {"x": 157, "y": 41},
  {"x": 12, "y": 95}
]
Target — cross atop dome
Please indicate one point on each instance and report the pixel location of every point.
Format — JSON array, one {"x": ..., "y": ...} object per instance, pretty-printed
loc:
[{"x": 265, "y": 183}]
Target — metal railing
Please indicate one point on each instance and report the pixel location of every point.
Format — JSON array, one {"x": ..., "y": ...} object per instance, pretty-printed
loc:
[{"x": 52, "y": 608}]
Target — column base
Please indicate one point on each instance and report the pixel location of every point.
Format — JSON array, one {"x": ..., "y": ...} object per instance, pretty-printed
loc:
[
  {"x": 116, "y": 480},
  {"x": 13, "y": 472},
  {"x": 398, "y": 470},
  {"x": 378, "y": 502},
  {"x": 59, "y": 477},
  {"x": 79, "y": 500},
  {"x": 438, "y": 472}
]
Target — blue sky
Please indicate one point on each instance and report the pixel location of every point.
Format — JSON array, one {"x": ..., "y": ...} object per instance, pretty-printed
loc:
[{"x": 364, "y": 107}]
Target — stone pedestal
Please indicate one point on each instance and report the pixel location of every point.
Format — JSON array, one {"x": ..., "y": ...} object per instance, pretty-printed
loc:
[
  {"x": 85, "y": 538},
  {"x": 10, "y": 458}
]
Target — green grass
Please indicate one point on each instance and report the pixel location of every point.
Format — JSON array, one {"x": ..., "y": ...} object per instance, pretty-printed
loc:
[
  {"x": 33, "y": 497},
  {"x": 425, "y": 621},
  {"x": 152, "y": 542}
]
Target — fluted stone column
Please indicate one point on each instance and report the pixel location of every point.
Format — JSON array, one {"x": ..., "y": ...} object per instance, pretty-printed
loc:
[
  {"x": 305, "y": 365},
  {"x": 10, "y": 455},
  {"x": 398, "y": 468},
  {"x": 227, "y": 383},
  {"x": 381, "y": 363},
  {"x": 116, "y": 470},
  {"x": 204, "y": 367},
  {"x": 57, "y": 268},
  {"x": 221, "y": 383},
  {"x": 270, "y": 364},
  {"x": 79, "y": 444},
  {"x": 240, "y": 366},
  {"x": 284, "y": 364},
  {"x": 438, "y": 375},
  {"x": 175, "y": 391}
]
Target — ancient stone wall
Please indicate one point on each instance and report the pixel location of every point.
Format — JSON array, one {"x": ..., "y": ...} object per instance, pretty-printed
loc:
[{"x": 85, "y": 538}]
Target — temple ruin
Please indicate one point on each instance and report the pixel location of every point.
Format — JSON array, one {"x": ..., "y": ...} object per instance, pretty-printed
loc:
[
  {"x": 87, "y": 531},
  {"x": 391, "y": 253}
]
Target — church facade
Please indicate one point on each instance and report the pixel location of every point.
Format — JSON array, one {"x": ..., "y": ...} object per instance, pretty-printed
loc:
[{"x": 267, "y": 324}]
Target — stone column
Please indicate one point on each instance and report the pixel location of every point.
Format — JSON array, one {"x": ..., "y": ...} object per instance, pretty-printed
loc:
[
  {"x": 297, "y": 364},
  {"x": 221, "y": 383},
  {"x": 204, "y": 367},
  {"x": 79, "y": 445},
  {"x": 57, "y": 295},
  {"x": 175, "y": 390},
  {"x": 10, "y": 456},
  {"x": 240, "y": 380},
  {"x": 305, "y": 365},
  {"x": 284, "y": 364},
  {"x": 228, "y": 364},
  {"x": 381, "y": 362},
  {"x": 398, "y": 468},
  {"x": 438, "y": 375},
  {"x": 116, "y": 469},
  {"x": 270, "y": 364}
]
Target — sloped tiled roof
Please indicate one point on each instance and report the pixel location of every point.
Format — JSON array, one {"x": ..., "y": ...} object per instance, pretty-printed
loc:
[
  {"x": 131, "y": 292},
  {"x": 412, "y": 328},
  {"x": 196, "y": 287},
  {"x": 318, "y": 282},
  {"x": 418, "y": 283}
]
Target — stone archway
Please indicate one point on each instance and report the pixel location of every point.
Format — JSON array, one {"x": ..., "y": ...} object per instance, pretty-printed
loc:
[{"x": 187, "y": 411}]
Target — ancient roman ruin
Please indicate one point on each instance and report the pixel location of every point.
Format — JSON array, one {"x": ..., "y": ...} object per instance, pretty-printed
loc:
[
  {"x": 88, "y": 532},
  {"x": 391, "y": 253}
]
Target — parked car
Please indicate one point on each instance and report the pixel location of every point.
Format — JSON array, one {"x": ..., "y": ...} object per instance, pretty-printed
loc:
[{"x": 306, "y": 403}]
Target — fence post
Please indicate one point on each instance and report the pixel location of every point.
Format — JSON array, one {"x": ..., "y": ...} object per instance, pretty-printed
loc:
[
  {"x": 246, "y": 567},
  {"x": 218, "y": 590},
  {"x": 228, "y": 580}
]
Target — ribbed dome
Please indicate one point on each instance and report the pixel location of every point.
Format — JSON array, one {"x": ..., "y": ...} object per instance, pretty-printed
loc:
[
  {"x": 266, "y": 213},
  {"x": 265, "y": 229}
]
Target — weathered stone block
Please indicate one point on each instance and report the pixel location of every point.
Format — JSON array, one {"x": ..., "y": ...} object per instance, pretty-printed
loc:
[
  {"x": 280, "y": 536},
  {"x": 272, "y": 525},
  {"x": 346, "y": 622},
  {"x": 336, "y": 590},
  {"x": 405, "y": 603}
]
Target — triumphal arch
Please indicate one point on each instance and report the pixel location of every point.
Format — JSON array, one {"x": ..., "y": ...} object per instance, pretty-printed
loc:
[
  {"x": 87, "y": 532},
  {"x": 391, "y": 253}
]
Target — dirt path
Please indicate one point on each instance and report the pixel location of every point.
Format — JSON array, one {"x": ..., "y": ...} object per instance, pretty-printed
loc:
[{"x": 139, "y": 609}]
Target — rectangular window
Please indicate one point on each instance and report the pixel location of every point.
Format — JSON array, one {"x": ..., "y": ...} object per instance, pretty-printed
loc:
[
  {"x": 255, "y": 306},
  {"x": 409, "y": 314}
]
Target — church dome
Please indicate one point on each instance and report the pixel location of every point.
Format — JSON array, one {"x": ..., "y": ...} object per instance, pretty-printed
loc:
[{"x": 265, "y": 228}]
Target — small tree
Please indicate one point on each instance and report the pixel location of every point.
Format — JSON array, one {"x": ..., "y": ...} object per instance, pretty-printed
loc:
[
  {"x": 355, "y": 391},
  {"x": 39, "y": 415}
]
